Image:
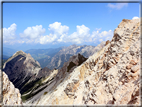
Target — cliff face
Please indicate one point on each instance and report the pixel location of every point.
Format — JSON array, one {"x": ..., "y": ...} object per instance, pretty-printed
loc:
[
  {"x": 110, "y": 76},
  {"x": 11, "y": 95}
]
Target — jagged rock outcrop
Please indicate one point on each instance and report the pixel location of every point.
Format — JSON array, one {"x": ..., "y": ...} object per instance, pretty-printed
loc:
[
  {"x": 21, "y": 69},
  {"x": 107, "y": 42},
  {"x": 110, "y": 76},
  {"x": 69, "y": 66},
  {"x": 11, "y": 95}
]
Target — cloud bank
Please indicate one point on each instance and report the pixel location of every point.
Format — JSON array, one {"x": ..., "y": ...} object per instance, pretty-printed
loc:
[
  {"x": 33, "y": 32},
  {"x": 58, "y": 33},
  {"x": 9, "y": 33}
]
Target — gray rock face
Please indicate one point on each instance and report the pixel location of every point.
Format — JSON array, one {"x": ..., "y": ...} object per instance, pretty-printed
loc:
[
  {"x": 11, "y": 95},
  {"x": 21, "y": 69},
  {"x": 110, "y": 76}
]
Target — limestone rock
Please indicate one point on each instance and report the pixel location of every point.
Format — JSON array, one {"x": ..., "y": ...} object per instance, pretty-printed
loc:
[{"x": 11, "y": 95}]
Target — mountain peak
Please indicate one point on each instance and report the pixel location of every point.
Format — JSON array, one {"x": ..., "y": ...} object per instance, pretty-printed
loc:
[{"x": 19, "y": 53}]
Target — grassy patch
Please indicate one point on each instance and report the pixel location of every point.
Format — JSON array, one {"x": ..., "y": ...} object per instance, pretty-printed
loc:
[
  {"x": 35, "y": 85},
  {"x": 24, "y": 98},
  {"x": 45, "y": 93}
]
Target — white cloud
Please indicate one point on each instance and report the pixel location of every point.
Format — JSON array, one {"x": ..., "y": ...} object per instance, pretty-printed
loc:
[
  {"x": 57, "y": 33},
  {"x": 105, "y": 33},
  {"x": 98, "y": 36},
  {"x": 9, "y": 33},
  {"x": 83, "y": 30},
  {"x": 117, "y": 6},
  {"x": 13, "y": 41},
  {"x": 135, "y": 17},
  {"x": 81, "y": 35},
  {"x": 33, "y": 32},
  {"x": 48, "y": 39},
  {"x": 58, "y": 29}
]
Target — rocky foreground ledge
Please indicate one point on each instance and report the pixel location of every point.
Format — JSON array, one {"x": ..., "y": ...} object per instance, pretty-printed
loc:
[{"x": 11, "y": 95}]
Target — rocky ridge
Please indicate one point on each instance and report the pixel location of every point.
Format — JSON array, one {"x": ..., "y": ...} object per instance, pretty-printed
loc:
[{"x": 110, "y": 76}]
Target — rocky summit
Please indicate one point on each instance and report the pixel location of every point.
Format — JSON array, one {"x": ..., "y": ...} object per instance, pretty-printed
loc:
[{"x": 110, "y": 76}]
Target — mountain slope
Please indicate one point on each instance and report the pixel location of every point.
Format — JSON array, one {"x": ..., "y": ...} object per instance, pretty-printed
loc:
[
  {"x": 5, "y": 57},
  {"x": 21, "y": 69},
  {"x": 110, "y": 76},
  {"x": 56, "y": 77}
]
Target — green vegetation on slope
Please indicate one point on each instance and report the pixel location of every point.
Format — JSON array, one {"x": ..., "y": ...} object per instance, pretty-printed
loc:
[{"x": 36, "y": 86}]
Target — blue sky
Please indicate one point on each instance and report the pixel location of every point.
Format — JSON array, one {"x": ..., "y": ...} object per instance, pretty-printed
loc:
[{"x": 44, "y": 25}]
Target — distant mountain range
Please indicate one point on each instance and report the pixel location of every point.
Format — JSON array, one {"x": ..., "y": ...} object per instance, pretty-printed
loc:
[
  {"x": 43, "y": 53},
  {"x": 55, "y": 58},
  {"x": 5, "y": 57},
  {"x": 8, "y": 52}
]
